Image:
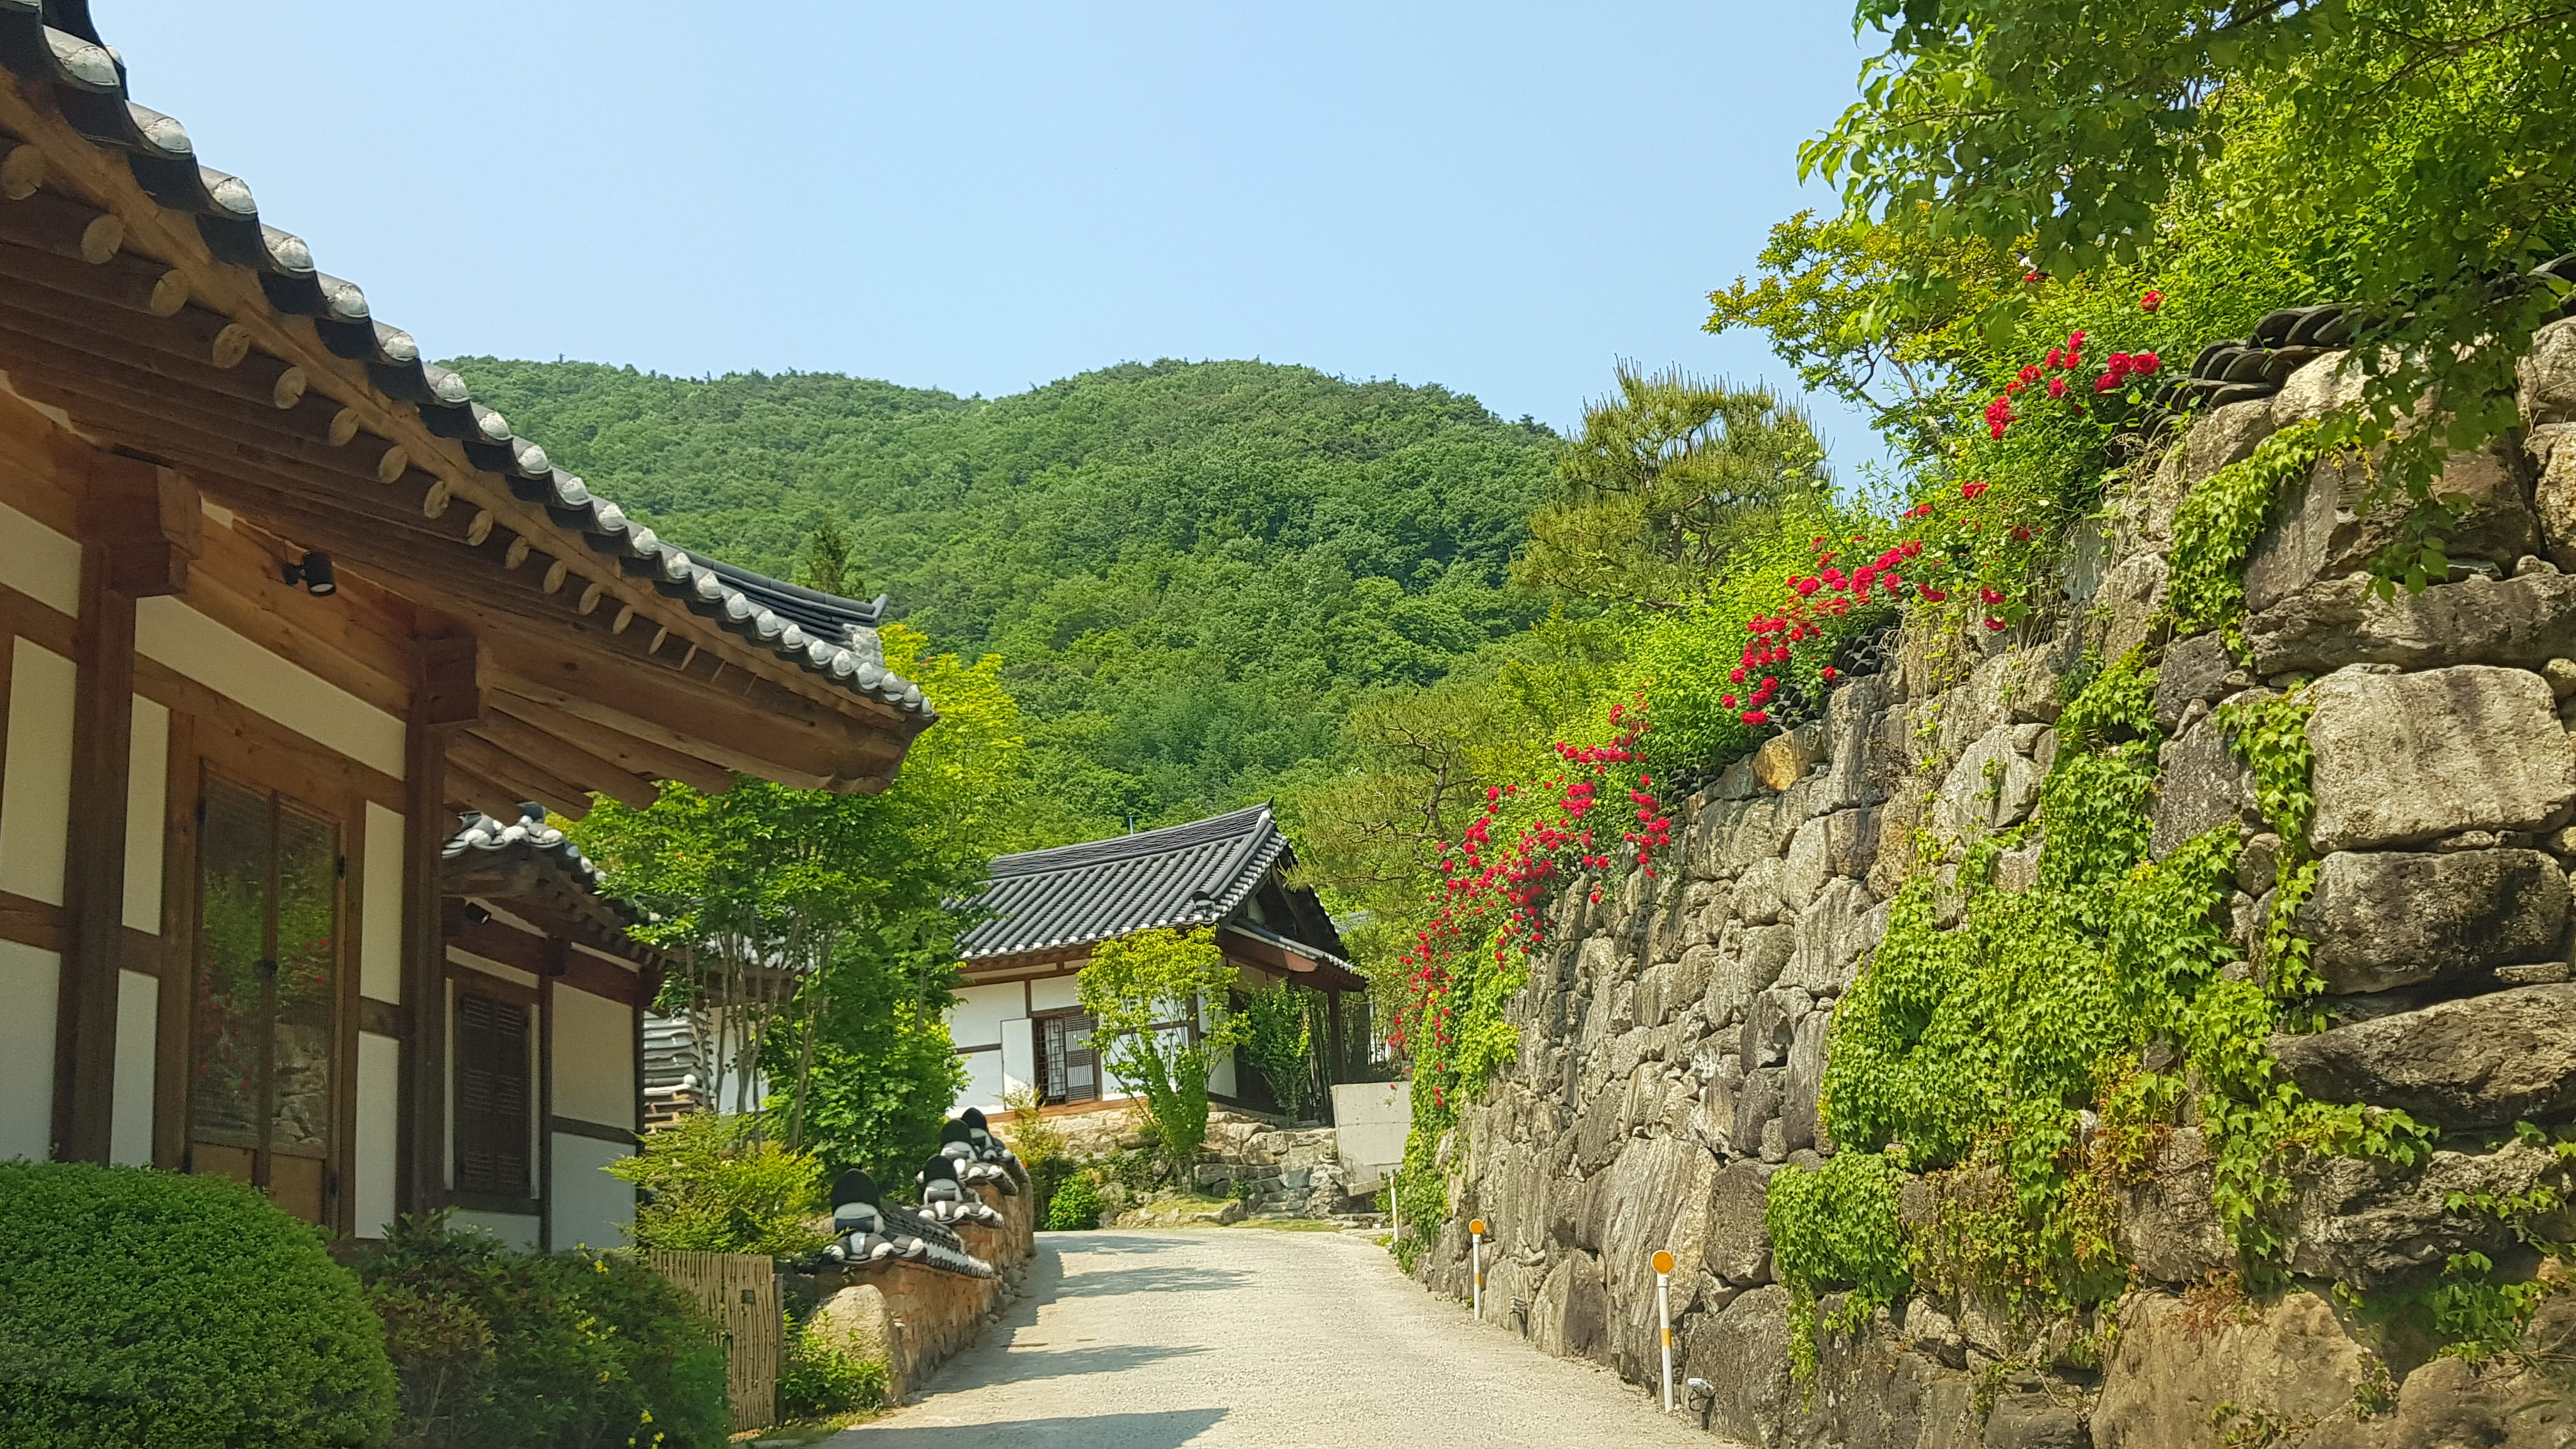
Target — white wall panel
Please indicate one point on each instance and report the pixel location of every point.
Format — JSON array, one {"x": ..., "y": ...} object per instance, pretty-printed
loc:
[
  {"x": 1054, "y": 993},
  {"x": 170, "y": 632},
  {"x": 591, "y": 1208},
  {"x": 594, "y": 1058},
  {"x": 138, "y": 1032},
  {"x": 976, "y": 1019},
  {"x": 1019, "y": 1055},
  {"x": 380, "y": 897},
  {"x": 519, "y": 1230},
  {"x": 40, "y": 563},
  {"x": 379, "y": 1131},
  {"x": 983, "y": 1082},
  {"x": 147, "y": 808},
  {"x": 29, "y": 982},
  {"x": 36, "y": 789}
]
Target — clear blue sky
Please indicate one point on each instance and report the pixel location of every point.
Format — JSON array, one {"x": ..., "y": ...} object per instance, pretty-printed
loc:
[{"x": 1500, "y": 197}]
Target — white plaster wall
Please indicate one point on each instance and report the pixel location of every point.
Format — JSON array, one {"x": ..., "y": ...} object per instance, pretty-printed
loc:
[
  {"x": 1054, "y": 993},
  {"x": 519, "y": 1230},
  {"x": 591, "y": 1208},
  {"x": 594, "y": 1058},
  {"x": 1019, "y": 1056},
  {"x": 379, "y": 1130},
  {"x": 40, "y": 563},
  {"x": 147, "y": 805},
  {"x": 976, "y": 1019},
  {"x": 380, "y": 899},
  {"x": 138, "y": 1031},
  {"x": 1221, "y": 1078},
  {"x": 984, "y": 1081},
  {"x": 168, "y": 631},
  {"x": 29, "y": 981},
  {"x": 36, "y": 790}
]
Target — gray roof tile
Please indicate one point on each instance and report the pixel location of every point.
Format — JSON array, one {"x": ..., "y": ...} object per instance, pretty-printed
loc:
[{"x": 1075, "y": 895}]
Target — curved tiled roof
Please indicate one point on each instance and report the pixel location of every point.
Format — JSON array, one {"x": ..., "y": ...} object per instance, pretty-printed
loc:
[
  {"x": 1074, "y": 895},
  {"x": 479, "y": 860},
  {"x": 87, "y": 80}
]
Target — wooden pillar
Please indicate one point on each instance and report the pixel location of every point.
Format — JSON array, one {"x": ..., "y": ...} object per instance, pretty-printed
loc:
[
  {"x": 94, "y": 867},
  {"x": 140, "y": 528},
  {"x": 444, "y": 695}
]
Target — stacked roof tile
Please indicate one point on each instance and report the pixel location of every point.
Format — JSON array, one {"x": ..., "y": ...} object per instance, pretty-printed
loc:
[
  {"x": 1075, "y": 895},
  {"x": 829, "y": 637}
]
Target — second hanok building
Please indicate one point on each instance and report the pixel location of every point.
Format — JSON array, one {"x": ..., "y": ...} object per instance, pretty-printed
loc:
[
  {"x": 1019, "y": 1023},
  {"x": 280, "y": 603}
]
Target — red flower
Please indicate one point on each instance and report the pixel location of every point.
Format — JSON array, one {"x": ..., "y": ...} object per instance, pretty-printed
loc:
[
  {"x": 2057, "y": 387},
  {"x": 1994, "y": 623},
  {"x": 1829, "y": 675},
  {"x": 2028, "y": 374},
  {"x": 2151, "y": 301},
  {"x": 2144, "y": 363},
  {"x": 1755, "y": 717},
  {"x": 1973, "y": 491}
]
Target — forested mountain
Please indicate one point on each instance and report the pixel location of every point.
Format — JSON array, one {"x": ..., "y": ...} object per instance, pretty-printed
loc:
[{"x": 1191, "y": 570}]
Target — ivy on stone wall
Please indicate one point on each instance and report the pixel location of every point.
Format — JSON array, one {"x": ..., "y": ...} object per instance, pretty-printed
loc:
[{"x": 2217, "y": 524}]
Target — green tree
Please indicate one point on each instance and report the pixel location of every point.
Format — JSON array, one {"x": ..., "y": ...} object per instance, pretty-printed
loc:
[
  {"x": 2410, "y": 154},
  {"x": 712, "y": 1183},
  {"x": 1279, "y": 1041},
  {"x": 824, "y": 926},
  {"x": 1141, "y": 991},
  {"x": 1669, "y": 472}
]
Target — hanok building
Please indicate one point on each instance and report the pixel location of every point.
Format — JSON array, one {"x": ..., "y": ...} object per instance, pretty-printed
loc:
[
  {"x": 1018, "y": 1021},
  {"x": 279, "y": 601}
]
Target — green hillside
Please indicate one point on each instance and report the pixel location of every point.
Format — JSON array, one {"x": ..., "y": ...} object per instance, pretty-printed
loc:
[{"x": 1191, "y": 570}]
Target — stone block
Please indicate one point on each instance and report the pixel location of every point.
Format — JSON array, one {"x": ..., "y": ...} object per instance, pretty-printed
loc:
[
  {"x": 2402, "y": 758},
  {"x": 2200, "y": 786},
  {"x": 1744, "y": 1352},
  {"x": 2289, "y": 1361},
  {"x": 1801, "y": 1119},
  {"x": 1757, "y": 1106},
  {"x": 2321, "y": 533},
  {"x": 2524, "y": 622},
  {"x": 1750, "y": 959},
  {"x": 2132, "y": 594},
  {"x": 2376, "y": 1226},
  {"x": 2383, "y": 919},
  {"x": 2225, "y": 435},
  {"x": 1993, "y": 785},
  {"x": 2552, "y": 450},
  {"x": 1735, "y": 1244},
  {"x": 2331, "y": 382},
  {"x": 1830, "y": 937},
  {"x": 1757, "y": 892},
  {"x": 2167, "y": 1226},
  {"x": 1803, "y": 871},
  {"x": 1770, "y": 1024},
  {"x": 2194, "y": 669},
  {"x": 2548, "y": 373},
  {"x": 2482, "y": 1061},
  {"x": 1788, "y": 757}
]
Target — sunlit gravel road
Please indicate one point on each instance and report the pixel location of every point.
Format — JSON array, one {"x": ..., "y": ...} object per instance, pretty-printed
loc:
[{"x": 1245, "y": 1336}]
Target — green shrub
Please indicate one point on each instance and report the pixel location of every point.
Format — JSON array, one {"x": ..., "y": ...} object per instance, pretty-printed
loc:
[
  {"x": 714, "y": 1184},
  {"x": 1076, "y": 1206},
  {"x": 142, "y": 1308},
  {"x": 816, "y": 1379},
  {"x": 499, "y": 1349}
]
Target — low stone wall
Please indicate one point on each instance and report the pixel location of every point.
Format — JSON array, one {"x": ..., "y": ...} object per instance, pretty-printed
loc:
[
  {"x": 916, "y": 1318},
  {"x": 1278, "y": 1172},
  {"x": 1673, "y": 1039}
]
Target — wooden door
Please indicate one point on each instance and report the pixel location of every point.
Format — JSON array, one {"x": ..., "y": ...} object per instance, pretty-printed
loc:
[{"x": 263, "y": 1018}]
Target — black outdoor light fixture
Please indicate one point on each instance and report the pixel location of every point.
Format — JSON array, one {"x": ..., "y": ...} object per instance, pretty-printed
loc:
[{"x": 313, "y": 573}]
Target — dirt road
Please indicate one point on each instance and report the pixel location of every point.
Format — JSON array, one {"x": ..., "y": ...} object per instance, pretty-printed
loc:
[{"x": 1227, "y": 1337}]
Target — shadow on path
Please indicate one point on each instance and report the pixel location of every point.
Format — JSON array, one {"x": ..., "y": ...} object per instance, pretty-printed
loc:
[
  {"x": 1151, "y": 1279},
  {"x": 1169, "y": 1429},
  {"x": 1020, "y": 1365}
]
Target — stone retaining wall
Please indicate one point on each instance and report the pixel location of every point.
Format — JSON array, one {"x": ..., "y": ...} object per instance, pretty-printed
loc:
[
  {"x": 915, "y": 1317},
  {"x": 1672, "y": 1047}
]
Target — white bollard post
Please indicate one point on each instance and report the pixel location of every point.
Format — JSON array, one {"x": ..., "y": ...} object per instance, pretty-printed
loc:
[
  {"x": 1394, "y": 1209},
  {"x": 1664, "y": 1318},
  {"x": 1476, "y": 1263}
]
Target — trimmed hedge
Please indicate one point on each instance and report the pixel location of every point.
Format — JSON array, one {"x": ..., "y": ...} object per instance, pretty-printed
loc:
[
  {"x": 502, "y": 1349},
  {"x": 143, "y": 1309}
]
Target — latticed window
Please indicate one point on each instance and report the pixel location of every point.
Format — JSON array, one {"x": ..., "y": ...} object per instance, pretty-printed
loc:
[{"x": 491, "y": 1097}]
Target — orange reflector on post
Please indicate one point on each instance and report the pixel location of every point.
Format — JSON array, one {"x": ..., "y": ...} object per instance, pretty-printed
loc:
[{"x": 1663, "y": 1261}]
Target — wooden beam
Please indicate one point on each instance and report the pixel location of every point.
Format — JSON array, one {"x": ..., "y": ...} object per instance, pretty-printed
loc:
[
  {"x": 94, "y": 865},
  {"x": 451, "y": 681},
  {"x": 566, "y": 761},
  {"x": 642, "y": 757},
  {"x": 483, "y": 758},
  {"x": 150, "y": 523}
]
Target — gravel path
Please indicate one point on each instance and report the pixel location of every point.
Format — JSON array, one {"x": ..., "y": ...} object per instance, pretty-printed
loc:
[{"x": 1241, "y": 1336}]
